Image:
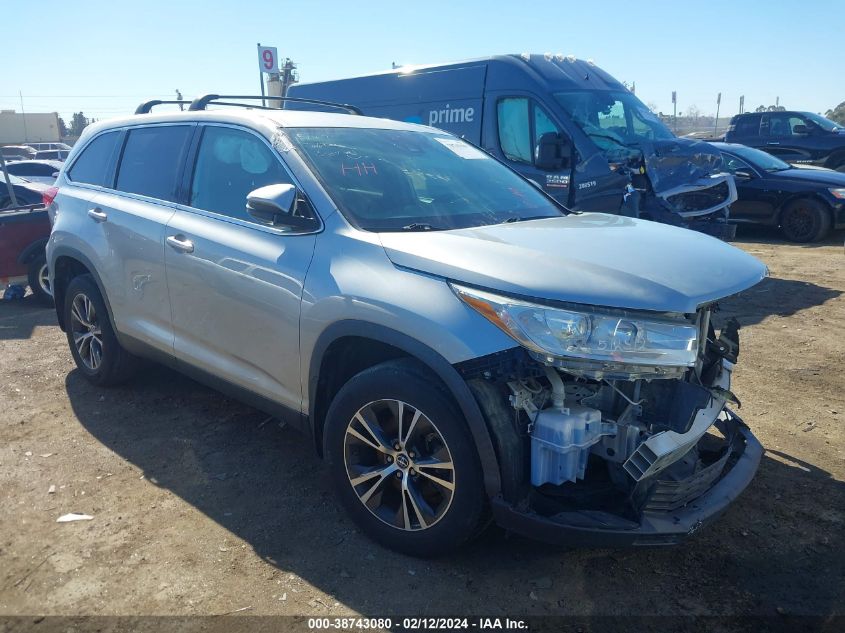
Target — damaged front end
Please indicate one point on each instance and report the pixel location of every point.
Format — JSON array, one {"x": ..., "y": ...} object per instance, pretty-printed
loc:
[
  {"x": 627, "y": 442},
  {"x": 680, "y": 182}
]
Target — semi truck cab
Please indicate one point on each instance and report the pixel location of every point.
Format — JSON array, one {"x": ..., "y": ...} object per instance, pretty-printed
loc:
[{"x": 562, "y": 122}]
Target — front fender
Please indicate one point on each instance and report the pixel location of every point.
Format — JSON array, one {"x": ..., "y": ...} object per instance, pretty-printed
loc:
[{"x": 435, "y": 362}]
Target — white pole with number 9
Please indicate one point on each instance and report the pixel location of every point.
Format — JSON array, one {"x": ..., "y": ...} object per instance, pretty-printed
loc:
[{"x": 267, "y": 63}]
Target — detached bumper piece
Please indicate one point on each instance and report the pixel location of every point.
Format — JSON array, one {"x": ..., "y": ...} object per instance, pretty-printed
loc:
[
  {"x": 720, "y": 229},
  {"x": 670, "y": 510}
]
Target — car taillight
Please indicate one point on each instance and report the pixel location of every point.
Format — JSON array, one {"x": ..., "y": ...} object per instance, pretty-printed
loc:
[{"x": 48, "y": 195}]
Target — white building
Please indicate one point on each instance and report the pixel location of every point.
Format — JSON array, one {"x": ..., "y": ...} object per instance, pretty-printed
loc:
[{"x": 16, "y": 127}]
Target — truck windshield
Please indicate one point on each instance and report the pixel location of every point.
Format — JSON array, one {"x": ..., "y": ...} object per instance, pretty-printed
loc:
[
  {"x": 823, "y": 123},
  {"x": 612, "y": 118},
  {"x": 395, "y": 180}
]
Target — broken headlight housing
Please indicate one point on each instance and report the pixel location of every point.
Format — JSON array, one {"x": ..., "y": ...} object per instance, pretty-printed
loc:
[{"x": 591, "y": 341}]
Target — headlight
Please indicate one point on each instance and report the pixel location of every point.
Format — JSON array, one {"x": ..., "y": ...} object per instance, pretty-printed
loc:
[
  {"x": 838, "y": 193},
  {"x": 589, "y": 334}
]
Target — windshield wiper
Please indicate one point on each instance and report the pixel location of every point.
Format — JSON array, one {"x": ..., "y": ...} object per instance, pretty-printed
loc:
[
  {"x": 517, "y": 218},
  {"x": 418, "y": 226}
]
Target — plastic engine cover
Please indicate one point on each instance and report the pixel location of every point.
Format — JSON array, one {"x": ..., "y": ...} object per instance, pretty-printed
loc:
[{"x": 561, "y": 441}]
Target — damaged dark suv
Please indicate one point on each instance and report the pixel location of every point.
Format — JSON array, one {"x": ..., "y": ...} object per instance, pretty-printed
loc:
[
  {"x": 454, "y": 342},
  {"x": 563, "y": 122}
]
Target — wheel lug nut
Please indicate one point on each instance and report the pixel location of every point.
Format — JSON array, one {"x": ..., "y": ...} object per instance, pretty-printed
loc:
[
  {"x": 411, "y": 454},
  {"x": 389, "y": 459},
  {"x": 396, "y": 446},
  {"x": 399, "y": 474},
  {"x": 412, "y": 471}
]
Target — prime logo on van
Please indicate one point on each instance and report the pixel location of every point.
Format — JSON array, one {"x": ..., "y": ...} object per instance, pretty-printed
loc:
[{"x": 451, "y": 115}]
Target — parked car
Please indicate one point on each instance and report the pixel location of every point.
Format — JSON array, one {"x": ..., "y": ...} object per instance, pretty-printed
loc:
[
  {"x": 52, "y": 154},
  {"x": 49, "y": 146},
  {"x": 453, "y": 341},
  {"x": 43, "y": 171},
  {"x": 580, "y": 134},
  {"x": 23, "y": 236},
  {"x": 804, "y": 202},
  {"x": 796, "y": 137},
  {"x": 17, "y": 152}
]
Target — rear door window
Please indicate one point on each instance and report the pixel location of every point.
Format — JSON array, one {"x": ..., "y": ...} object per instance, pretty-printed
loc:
[
  {"x": 230, "y": 164},
  {"x": 747, "y": 126},
  {"x": 93, "y": 166},
  {"x": 153, "y": 159}
]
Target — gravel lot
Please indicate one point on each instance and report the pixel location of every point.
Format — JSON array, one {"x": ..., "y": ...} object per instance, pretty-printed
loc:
[{"x": 203, "y": 506}]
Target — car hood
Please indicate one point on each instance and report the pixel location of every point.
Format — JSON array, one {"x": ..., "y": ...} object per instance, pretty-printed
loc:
[
  {"x": 588, "y": 258},
  {"x": 674, "y": 162},
  {"x": 826, "y": 177}
]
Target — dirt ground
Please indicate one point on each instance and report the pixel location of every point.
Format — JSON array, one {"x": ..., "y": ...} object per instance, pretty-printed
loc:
[{"x": 203, "y": 506}]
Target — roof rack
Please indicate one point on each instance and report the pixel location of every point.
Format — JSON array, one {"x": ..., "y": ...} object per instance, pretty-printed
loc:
[
  {"x": 201, "y": 103},
  {"x": 145, "y": 107}
]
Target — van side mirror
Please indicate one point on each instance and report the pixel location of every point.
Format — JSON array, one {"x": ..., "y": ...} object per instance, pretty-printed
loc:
[
  {"x": 274, "y": 205},
  {"x": 554, "y": 152}
]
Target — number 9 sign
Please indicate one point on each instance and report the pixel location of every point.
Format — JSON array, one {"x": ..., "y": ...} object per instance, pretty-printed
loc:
[{"x": 267, "y": 57}]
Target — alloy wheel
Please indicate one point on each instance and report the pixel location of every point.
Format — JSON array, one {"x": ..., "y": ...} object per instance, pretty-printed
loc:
[
  {"x": 399, "y": 465},
  {"x": 799, "y": 222},
  {"x": 44, "y": 280},
  {"x": 87, "y": 334}
]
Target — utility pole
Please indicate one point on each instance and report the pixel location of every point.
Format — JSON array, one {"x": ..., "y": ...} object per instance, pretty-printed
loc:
[
  {"x": 675, "y": 110},
  {"x": 742, "y": 104},
  {"x": 718, "y": 103},
  {"x": 23, "y": 112}
]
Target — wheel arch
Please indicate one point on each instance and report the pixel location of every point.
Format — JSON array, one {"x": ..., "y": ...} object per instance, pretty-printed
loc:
[
  {"x": 68, "y": 263},
  {"x": 369, "y": 344},
  {"x": 795, "y": 197},
  {"x": 32, "y": 251},
  {"x": 836, "y": 160}
]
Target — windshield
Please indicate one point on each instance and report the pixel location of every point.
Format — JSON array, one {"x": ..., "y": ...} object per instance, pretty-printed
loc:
[
  {"x": 759, "y": 158},
  {"x": 612, "y": 117},
  {"x": 823, "y": 123},
  {"x": 394, "y": 180}
]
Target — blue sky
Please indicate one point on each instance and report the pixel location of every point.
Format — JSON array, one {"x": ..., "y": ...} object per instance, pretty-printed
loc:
[{"x": 105, "y": 57}]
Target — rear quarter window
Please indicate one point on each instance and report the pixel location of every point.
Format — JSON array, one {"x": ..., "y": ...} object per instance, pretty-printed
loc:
[
  {"x": 94, "y": 163},
  {"x": 152, "y": 160}
]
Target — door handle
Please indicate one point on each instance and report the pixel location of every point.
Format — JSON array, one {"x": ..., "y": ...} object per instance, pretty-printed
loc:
[
  {"x": 773, "y": 143},
  {"x": 180, "y": 243},
  {"x": 97, "y": 214}
]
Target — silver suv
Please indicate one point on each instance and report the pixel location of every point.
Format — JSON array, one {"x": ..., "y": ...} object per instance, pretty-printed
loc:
[{"x": 456, "y": 344}]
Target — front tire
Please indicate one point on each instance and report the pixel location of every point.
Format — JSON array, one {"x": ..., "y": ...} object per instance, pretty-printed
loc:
[
  {"x": 39, "y": 280},
  {"x": 403, "y": 461},
  {"x": 805, "y": 220},
  {"x": 93, "y": 344}
]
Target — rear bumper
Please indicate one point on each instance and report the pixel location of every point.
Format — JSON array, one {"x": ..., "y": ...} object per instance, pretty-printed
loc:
[{"x": 654, "y": 528}]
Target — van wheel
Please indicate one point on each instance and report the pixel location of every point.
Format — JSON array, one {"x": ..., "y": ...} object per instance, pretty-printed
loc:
[
  {"x": 93, "y": 344},
  {"x": 805, "y": 220},
  {"x": 39, "y": 280},
  {"x": 403, "y": 460}
]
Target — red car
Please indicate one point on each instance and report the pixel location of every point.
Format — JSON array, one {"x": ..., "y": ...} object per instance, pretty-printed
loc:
[{"x": 24, "y": 229}]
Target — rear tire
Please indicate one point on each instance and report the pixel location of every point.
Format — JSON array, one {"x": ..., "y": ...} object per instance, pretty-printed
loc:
[
  {"x": 805, "y": 220},
  {"x": 39, "y": 281},
  {"x": 402, "y": 499},
  {"x": 93, "y": 344}
]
